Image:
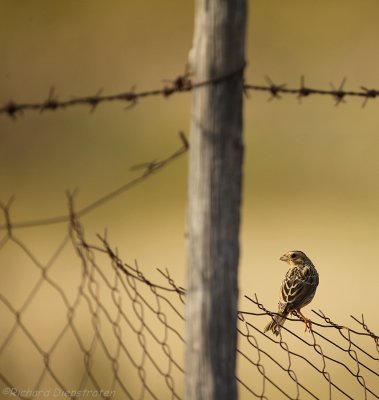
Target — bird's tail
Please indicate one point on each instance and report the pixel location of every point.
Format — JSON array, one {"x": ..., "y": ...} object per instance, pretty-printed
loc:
[{"x": 276, "y": 323}]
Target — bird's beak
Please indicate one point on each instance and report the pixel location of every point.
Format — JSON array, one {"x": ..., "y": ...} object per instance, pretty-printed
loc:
[{"x": 284, "y": 257}]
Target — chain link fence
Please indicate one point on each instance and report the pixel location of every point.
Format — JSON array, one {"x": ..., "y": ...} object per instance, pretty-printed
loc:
[{"x": 85, "y": 323}]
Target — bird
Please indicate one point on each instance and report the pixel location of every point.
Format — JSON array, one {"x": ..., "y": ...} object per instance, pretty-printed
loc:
[{"x": 297, "y": 290}]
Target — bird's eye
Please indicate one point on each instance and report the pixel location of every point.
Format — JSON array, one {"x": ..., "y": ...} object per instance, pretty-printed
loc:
[{"x": 293, "y": 255}]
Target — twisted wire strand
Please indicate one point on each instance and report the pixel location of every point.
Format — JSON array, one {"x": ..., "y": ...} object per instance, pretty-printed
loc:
[{"x": 184, "y": 84}]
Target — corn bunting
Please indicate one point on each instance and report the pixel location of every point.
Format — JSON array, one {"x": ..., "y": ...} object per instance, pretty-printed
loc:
[{"x": 298, "y": 289}]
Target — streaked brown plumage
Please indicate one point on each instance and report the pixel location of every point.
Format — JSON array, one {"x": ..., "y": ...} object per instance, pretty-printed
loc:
[{"x": 297, "y": 290}]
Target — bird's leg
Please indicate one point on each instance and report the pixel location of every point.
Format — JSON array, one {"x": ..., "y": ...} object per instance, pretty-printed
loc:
[{"x": 307, "y": 321}]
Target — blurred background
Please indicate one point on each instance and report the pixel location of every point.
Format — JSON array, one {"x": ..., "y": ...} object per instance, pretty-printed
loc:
[{"x": 310, "y": 169}]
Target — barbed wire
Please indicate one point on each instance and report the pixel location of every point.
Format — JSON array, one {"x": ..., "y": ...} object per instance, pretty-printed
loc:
[
  {"x": 339, "y": 94},
  {"x": 180, "y": 84},
  {"x": 183, "y": 84},
  {"x": 148, "y": 169}
]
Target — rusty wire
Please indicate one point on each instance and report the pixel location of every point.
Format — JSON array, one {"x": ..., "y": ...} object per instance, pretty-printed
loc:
[
  {"x": 184, "y": 84},
  {"x": 146, "y": 316},
  {"x": 180, "y": 84},
  {"x": 133, "y": 326},
  {"x": 148, "y": 169},
  {"x": 338, "y": 94},
  {"x": 358, "y": 368},
  {"x": 123, "y": 317}
]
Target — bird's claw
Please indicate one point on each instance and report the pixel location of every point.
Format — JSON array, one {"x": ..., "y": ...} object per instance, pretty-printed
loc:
[{"x": 308, "y": 325}]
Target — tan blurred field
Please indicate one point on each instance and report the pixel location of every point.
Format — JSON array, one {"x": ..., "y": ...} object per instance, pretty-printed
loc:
[{"x": 310, "y": 171}]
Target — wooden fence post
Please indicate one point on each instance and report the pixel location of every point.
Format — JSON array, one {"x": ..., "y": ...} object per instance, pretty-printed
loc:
[{"x": 215, "y": 175}]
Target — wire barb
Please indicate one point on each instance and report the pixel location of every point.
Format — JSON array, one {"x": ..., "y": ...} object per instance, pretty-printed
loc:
[{"x": 339, "y": 94}]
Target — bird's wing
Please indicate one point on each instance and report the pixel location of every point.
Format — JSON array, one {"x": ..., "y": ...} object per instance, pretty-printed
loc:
[{"x": 298, "y": 288}]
